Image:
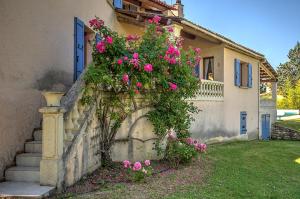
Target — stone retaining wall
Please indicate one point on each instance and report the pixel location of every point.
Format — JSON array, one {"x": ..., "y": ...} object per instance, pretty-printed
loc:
[{"x": 284, "y": 133}]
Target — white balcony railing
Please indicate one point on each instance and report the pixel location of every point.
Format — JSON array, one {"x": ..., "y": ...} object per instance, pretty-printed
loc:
[{"x": 210, "y": 90}]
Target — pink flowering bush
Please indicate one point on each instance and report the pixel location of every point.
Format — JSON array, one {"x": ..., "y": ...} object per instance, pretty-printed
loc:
[
  {"x": 153, "y": 66},
  {"x": 138, "y": 171},
  {"x": 183, "y": 150}
]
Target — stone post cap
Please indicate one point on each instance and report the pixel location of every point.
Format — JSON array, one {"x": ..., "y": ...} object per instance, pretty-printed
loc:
[{"x": 52, "y": 110}]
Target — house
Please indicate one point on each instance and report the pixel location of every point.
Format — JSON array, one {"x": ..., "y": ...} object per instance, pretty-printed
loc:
[{"x": 44, "y": 45}]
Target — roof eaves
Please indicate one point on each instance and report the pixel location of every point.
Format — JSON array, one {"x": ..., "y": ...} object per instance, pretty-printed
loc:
[
  {"x": 164, "y": 4},
  {"x": 223, "y": 38}
]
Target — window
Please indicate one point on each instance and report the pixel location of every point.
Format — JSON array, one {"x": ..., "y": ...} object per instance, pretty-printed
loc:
[
  {"x": 242, "y": 74},
  {"x": 208, "y": 68}
]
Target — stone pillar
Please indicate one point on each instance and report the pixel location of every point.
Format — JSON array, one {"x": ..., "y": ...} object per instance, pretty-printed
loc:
[
  {"x": 274, "y": 91},
  {"x": 51, "y": 165}
]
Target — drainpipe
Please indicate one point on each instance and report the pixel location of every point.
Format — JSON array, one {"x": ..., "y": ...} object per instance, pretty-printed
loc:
[{"x": 258, "y": 83}]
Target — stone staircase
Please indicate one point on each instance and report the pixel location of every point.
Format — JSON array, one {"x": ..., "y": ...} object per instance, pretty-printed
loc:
[{"x": 23, "y": 179}]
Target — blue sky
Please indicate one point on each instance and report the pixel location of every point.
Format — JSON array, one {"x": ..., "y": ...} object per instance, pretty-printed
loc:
[{"x": 271, "y": 27}]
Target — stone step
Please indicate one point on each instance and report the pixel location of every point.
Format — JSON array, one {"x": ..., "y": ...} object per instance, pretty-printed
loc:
[
  {"x": 24, "y": 190},
  {"x": 29, "y": 159},
  {"x": 33, "y": 147},
  {"x": 23, "y": 174},
  {"x": 37, "y": 135}
]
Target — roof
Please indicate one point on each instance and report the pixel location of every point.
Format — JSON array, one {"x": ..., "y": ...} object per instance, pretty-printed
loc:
[
  {"x": 164, "y": 4},
  {"x": 218, "y": 36}
]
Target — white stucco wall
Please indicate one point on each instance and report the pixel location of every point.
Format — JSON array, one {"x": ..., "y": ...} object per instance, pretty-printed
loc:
[
  {"x": 209, "y": 122},
  {"x": 36, "y": 53},
  {"x": 240, "y": 99},
  {"x": 267, "y": 107}
]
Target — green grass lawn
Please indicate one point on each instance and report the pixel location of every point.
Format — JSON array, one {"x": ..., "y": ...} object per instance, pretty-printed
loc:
[
  {"x": 293, "y": 124},
  {"x": 241, "y": 170},
  {"x": 250, "y": 170}
]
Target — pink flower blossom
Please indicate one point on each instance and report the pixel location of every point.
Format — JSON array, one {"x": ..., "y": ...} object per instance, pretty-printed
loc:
[
  {"x": 135, "y": 56},
  {"x": 139, "y": 84},
  {"x": 170, "y": 29},
  {"x": 120, "y": 61},
  {"x": 147, "y": 162},
  {"x": 100, "y": 47},
  {"x": 137, "y": 166},
  {"x": 172, "y": 60},
  {"x": 96, "y": 23},
  {"x": 109, "y": 40},
  {"x": 150, "y": 20},
  {"x": 203, "y": 147},
  {"x": 132, "y": 37},
  {"x": 125, "y": 58},
  {"x": 135, "y": 62},
  {"x": 136, "y": 92},
  {"x": 173, "y": 86},
  {"x": 148, "y": 68},
  {"x": 156, "y": 19},
  {"x": 190, "y": 141},
  {"x": 197, "y": 50},
  {"x": 125, "y": 78},
  {"x": 126, "y": 164}
]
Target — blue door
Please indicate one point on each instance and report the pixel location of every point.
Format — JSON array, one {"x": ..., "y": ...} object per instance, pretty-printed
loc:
[
  {"x": 78, "y": 48},
  {"x": 265, "y": 126}
]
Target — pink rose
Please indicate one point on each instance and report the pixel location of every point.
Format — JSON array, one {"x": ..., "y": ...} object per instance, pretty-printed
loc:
[
  {"x": 172, "y": 60},
  {"x": 136, "y": 92},
  {"x": 135, "y": 56},
  {"x": 203, "y": 147},
  {"x": 109, "y": 40},
  {"x": 139, "y": 84},
  {"x": 132, "y": 37},
  {"x": 126, "y": 164},
  {"x": 125, "y": 78},
  {"x": 172, "y": 86},
  {"x": 125, "y": 58},
  {"x": 197, "y": 50},
  {"x": 137, "y": 166},
  {"x": 156, "y": 19},
  {"x": 190, "y": 141},
  {"x": 96, "y": 23},
  {"x": 148, "y": 68},
  {"x": 170, "y": 29},
  {"x": 147, "y": 162},
  {"x": 120, "y": 61},
  {"x": 100, "y": 47}
]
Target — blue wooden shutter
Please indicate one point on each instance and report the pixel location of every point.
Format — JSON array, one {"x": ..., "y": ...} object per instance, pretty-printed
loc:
[
  {"x": 78, "y": 47},
  {"x": 243, "y": 123},
  {"x": 118, "y": 4},
  {"x": 97, "y": 38},
  {"x": 249, "y": 75},
  {"x": 197, "y": 70},
  {"x": 237, "y": 72}
]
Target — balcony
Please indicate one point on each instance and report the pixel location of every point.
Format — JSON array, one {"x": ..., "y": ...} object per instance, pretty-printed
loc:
[{"x": 210, "y": 91}]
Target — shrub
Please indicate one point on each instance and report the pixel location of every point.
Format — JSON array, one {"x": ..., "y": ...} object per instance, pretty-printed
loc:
[
  {"x": 137, "y": 171},
  {"x": 154, "y": 67},
  {"x": 183, "y": 150}
]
